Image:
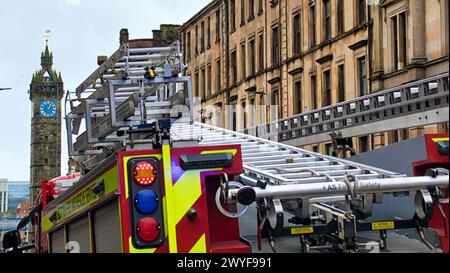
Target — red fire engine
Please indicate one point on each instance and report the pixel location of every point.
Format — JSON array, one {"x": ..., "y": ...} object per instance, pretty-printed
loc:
[{"x": 154, "y": 181}]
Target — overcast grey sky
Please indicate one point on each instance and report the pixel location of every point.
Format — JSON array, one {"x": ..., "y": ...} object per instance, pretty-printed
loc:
[{"x": 81, "y": 30}]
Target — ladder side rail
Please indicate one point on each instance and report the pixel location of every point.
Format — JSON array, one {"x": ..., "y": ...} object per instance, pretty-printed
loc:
[
  {"x": 109, "y": 63},
  {"x": 356, "y": 104},
  {"x": 404, "y": 106},
  {"x": 380, "y": 110}
]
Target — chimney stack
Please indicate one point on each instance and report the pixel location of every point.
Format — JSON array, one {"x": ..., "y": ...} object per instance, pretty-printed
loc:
[{"x": 124, "y": 36}]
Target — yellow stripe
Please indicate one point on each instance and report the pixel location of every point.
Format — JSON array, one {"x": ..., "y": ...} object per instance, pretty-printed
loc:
[
  {"x": 170, "y": 201},
  {"x": 120, "y": 224},
  {"x": 91, "y": 242},
  {"x": 200, "y": 246},
  {"x": 440, "y": 139},
  {"x": 73, "y": 205},
  {"x": 233, "y": 151}
]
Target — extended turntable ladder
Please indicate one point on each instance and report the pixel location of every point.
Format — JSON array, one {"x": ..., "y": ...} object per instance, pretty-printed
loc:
[{"x": 120, "y": 97}]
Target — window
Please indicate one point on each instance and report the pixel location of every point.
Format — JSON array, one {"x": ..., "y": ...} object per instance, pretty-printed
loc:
[
  {"x": 242, "y": 12},
  {"x": 233, "y": 15},
  {"x": 209, "y": 81},
  {"x": 196, "y": 40},
  {"x": 251, "y": 50},
  {"x": 202, "y": 39},
  {"x": 260, "y": 7},
  {"x": 218, "y": 75},
  {"x": 297, "y": 47},
  {"x": 234, "y": 117},
  {"x": 189, "y": 45},
  {"x": 326, "y": 99},
  {"x": 244, "y": 115},
  {"x": 233, "y": 67},
  {"x": 327, "y": 19},
  {"x": 218, "y": 25},
  {"x": 218, "y": 115},
  {"x": 399, "y": 38},
  {"x": 261, "y": 52},
  {"x": 363, "y": 144},
  {"x": 329, "y": 149},
  {"x": 197, "y": 84},
  {"x": 312, "y": 26},
  {"x": 209, "y": 32},
  {"x": 340, "y": 16},
  {"x": 251, "y": 9},
  {"x": 203, "y": 87},
  {"x": 276, "y": 102},
  {"x": 404, "y": 134},
  {"x": 315, "y": 149},
  {"x": 275, "y": 46},
  {"x": 362, "y": 76},
  {"x": 261, "y": 109},
  {"x": 393, "y": 137},
  {"x": 252, "y": 113},
  {"x": 298, "y": 107},
  {"x": 243, "y": 62},
  {"x": 184, "y": 47},
  {"x": 361, "y": 11},
  {"x": 403, "y": 37},
  {"x": 395, "y": 42},
  {"x": 313, "y": 92},
  {"x": 341, "y": 83}
]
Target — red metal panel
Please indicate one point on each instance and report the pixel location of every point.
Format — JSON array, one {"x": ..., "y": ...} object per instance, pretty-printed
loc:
[{"x": 436, "y": 160}]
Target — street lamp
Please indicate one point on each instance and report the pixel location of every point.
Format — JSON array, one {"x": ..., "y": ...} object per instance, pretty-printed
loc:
[{"x": 4, "y": 89}]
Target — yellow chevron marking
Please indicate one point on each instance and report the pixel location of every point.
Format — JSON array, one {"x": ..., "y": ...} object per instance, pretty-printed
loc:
[
  {"x": 440, "y": 139},
  {"x": 186, "y": 192},
  {"x": 200, "y": 246},
  {"x": 233, "y": 151}
]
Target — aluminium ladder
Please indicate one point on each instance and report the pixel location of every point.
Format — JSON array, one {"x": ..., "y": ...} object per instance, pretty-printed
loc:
[{"x": 277, "y": 163}]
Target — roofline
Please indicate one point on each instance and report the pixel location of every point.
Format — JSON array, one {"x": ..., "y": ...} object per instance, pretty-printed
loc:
[{"x": 211, "y": 5}]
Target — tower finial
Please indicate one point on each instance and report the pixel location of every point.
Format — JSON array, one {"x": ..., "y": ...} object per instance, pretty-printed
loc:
[{"x": 47, "y": 36}]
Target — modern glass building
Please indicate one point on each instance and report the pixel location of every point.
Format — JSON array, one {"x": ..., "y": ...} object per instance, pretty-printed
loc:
[{"x": 18, "y": 192}]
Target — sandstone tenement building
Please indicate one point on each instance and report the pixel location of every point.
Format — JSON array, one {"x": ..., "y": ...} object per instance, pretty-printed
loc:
[{"x": 305, "y": 54}]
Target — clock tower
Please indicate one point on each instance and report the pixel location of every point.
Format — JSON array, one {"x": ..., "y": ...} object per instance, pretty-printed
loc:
[{"x": 46, "y": 92}]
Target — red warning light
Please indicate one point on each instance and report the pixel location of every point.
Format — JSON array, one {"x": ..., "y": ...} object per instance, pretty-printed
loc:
[
  {"x": 144, "y": 174},
  {"x": 148, "y": 229}
]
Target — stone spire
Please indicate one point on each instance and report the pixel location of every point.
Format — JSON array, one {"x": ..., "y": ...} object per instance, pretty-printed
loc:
[{"x": 46, "y": 59}]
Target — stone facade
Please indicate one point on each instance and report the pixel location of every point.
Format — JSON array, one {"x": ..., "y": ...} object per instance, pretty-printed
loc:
[
  {"x": 299, "y": 55},
  {"x": 424, "y": 52},
  {"x": 46, "y": 85}
]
